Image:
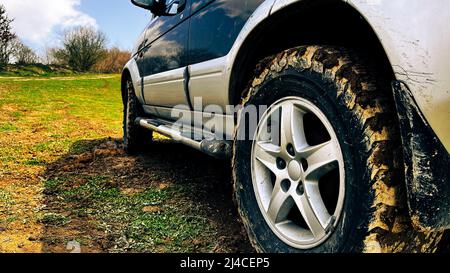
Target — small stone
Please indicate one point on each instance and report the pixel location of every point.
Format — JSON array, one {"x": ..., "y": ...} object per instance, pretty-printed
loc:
[
  {"x": 131, "y": 191},
  {"x": 152, "y": 209},
  {"x": 84, "y": 158},
  {"x": 107, "y": 152},
  {"x": 21, "y": 245},
  {"x": 2, "y": 229},
  {"x": 163, "y": 186}
]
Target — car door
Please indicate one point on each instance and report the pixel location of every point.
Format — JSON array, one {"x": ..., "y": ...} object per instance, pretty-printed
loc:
[
  {"x": 215, "y": 25},
  {"x": 162, "y": 61}
]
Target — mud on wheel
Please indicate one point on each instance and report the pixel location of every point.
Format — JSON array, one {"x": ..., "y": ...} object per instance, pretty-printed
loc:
[
  {"x": 135, "y": 138},
  {"x": 332, "y": 181}
]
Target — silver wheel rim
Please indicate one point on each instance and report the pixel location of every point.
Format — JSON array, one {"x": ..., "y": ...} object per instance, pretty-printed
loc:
[{"x": 290, "y": 194}]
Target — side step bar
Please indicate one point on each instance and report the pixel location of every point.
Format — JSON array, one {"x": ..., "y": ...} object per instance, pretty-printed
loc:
[{"x": 189, "y": 136}]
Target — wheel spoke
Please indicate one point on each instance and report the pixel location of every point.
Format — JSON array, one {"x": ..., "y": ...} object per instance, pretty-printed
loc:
[
  {"x": 315, "y": 199},
  {"x": 321, "y": 160},
  {"x": 292, "y": 127},
  {"x": 280, "y": 205},
  {"x": 304, "y": 205},
  {"x": 266, "y": 153},
  {"x": 286, "y": 125}
]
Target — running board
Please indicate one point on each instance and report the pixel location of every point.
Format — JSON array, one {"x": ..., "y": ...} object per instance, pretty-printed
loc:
[{"x": 189, "y": 136}]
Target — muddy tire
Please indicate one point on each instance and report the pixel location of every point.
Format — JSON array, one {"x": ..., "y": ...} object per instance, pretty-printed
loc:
[
  {"x": 135, "y": 138},
  {"x": 359, "y": 106}
]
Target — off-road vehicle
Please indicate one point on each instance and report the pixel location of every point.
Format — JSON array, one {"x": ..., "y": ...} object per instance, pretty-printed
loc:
[{"x": 335, "y": 114}]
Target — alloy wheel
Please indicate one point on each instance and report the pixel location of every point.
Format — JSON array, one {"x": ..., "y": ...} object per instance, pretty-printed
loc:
[{"x": 298, "y": 173}]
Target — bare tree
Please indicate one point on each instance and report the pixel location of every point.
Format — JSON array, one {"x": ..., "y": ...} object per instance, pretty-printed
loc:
[
  {"x": 49, "y": 56},
  {"x": 113, "y": 61},
  {"x": 23, "y": 54},
  {"x": 82, "y": 48},
  {"x": 6, "y": 37}
]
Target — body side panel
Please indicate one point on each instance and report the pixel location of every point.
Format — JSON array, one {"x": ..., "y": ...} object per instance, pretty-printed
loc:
[
  {"x": 215, "y": 35},
  {"x": 416, "y": 37},
  {"x": 165, "y": 88},
  {"x": 208, "y": 81}
]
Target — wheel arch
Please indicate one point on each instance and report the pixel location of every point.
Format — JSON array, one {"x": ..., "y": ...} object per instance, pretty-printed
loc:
[
  {"x": 131, "y": 72},
  {"x": 337, "y": 23},
  {"x": 123, "y": 85}
]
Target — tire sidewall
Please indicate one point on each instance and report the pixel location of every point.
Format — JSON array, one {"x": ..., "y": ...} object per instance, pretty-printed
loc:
[{"x": 125, "y": 116}]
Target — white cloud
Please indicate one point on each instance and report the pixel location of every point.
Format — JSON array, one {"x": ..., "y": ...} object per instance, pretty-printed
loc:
[{"x": 37, "y": 21}]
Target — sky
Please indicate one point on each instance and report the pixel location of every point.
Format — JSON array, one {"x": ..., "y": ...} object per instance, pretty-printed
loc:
[{"x": 39, "y": 23}]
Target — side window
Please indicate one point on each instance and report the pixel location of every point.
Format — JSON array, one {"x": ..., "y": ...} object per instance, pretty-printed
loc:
[
  {"x": 215, "y": 25},
  {"x": 160, "y": 25},
  {"x": 166, "y": 40}
]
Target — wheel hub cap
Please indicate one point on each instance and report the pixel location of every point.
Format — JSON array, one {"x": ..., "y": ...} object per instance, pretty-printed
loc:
[{"x": 295, "y": 170}]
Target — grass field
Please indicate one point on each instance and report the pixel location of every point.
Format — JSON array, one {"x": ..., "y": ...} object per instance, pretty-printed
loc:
[{"x": 64, "y": 177}]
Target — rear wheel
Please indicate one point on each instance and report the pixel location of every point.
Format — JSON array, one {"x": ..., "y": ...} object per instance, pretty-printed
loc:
[
  {"x": 135, "y": 138},
  {"x": 330, "y": 179}
]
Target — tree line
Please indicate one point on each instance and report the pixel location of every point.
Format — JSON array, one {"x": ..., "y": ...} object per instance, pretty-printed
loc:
[{"x": 82, "y": 49}]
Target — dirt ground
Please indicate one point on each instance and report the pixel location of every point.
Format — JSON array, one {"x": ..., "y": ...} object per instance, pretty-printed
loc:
[
  {"x": 67, "y": 186},
  {"x": 168, "y": 165}
]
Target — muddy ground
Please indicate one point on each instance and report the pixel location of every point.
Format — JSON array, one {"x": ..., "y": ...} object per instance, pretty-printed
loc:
[{"x": 165, "y": 166}]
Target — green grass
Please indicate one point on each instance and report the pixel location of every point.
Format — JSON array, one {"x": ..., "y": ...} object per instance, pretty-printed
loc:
[
  {"x": 7, "y": 202},
  {"x": 8, "y": 127},
  {"x": 56, "y": 100},
  {"x": 55, "y": 114},
  {"x": 42, "y": 121},
  {"x": 54, "y": 219},
  {"x": 168, "y": 229},
  {"x": 5, "y": 197}
]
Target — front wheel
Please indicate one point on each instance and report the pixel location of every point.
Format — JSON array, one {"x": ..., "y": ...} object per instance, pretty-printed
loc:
[
  {"x": 322, "y": 172},
  {"x": 135, "y": 138}
]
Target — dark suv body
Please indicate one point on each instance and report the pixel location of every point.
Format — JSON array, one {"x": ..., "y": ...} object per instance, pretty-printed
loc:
[{"x": 348, "y": 151}]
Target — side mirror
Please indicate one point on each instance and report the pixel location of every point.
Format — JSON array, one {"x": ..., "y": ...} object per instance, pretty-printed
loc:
[{"x": 157, "y": 7}]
